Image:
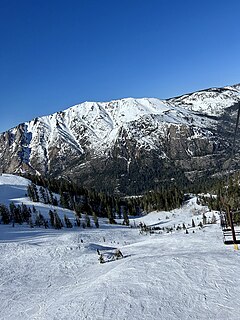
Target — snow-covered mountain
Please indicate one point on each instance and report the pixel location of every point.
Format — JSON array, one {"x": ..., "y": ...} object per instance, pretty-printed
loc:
[{"x": 125, "y": 144}]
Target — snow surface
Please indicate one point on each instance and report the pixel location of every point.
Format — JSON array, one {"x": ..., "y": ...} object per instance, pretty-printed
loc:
[
  {"x": 211, "y": 102},
  {"x": 52, "y": 274}
]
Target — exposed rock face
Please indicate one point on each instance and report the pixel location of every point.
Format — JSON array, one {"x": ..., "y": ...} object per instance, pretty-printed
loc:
[{"x": 127, "y": 145}]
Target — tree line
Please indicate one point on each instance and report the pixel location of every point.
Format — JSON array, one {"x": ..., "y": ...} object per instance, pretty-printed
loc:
[
  {"x": 19, "y": 214},
  {"x": 224, "y": 197},
  {"x": 88, "y": 201}
]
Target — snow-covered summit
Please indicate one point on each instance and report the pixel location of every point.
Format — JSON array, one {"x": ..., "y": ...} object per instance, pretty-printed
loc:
[
  {"x": 211, "y": 102},
  {"x": 103, "y": 120},
  {"x": 100, "y": 123}
]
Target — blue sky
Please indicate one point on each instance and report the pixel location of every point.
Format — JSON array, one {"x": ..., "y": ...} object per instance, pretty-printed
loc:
[{"x": 55, "y": 54}]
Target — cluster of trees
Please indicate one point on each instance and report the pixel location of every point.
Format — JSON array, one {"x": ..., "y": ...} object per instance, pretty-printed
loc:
[
  {"x": 42, "y": 194},
  {"x": 20, "y": 214},
  {"x": 225, "y": 197},
  {"x": 100, "y": 204},
  {"x": 85, "y": 203},
  {"x": 15, "y": 214},
  {"x": 163, "y": 199}
]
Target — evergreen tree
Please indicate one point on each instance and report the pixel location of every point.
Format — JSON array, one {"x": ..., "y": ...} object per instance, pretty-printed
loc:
[
  {"x": 30, "y": 192},
  {"x": 51, "y": 198},
  {"x": 78, "y": 221},
  {"x": 26, "y": 213},
  {"x": 125, "y": 217},
  {"x": 39, "y": 221},
  {"x": 87, "y": 221},
  {"x": 35, "y": 196},
  {"x": 57, "y": 221},
  {"x": 48, "y": 197},
  {"x": 110, "y": 215},
  {"x": 42, "y": 192},
  {"x": 30, "y": 222},
  {"x": 64, "y": 200},
  {"x": 95, "y": 219},
  {"x": 68, "y": 223},
  {"x": 77, "y": 209},
  {"x": 17, "y": 215},
  {"x": 51, "y": 215},
  {"x": 5, "y": 214},
  {"x": 12, "y": 208}
]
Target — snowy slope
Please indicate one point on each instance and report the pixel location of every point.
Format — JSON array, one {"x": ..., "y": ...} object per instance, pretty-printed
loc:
[
  {"x": 13, "y": 188},
  {"x": 49, "y": 274},
  {"x": 211, "y": 102}
]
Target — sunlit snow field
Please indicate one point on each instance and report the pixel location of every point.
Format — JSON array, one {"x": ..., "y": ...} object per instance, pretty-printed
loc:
[{"x": 55, "y": 274}]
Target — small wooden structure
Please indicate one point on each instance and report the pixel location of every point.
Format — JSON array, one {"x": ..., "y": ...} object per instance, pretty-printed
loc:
[
  {"x": 228, "y": 238},
  {"x": 230, "y": 235}
]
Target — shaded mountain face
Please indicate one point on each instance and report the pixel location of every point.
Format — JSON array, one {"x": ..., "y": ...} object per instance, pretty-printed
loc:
[{"x": 128, "y": 145}]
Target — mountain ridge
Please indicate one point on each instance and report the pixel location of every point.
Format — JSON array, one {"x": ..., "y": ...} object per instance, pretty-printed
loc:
[{"x": 126, "y": 142}]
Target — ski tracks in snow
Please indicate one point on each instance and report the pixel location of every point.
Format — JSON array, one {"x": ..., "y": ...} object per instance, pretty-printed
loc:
[{"x": 170, "y": 277}]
